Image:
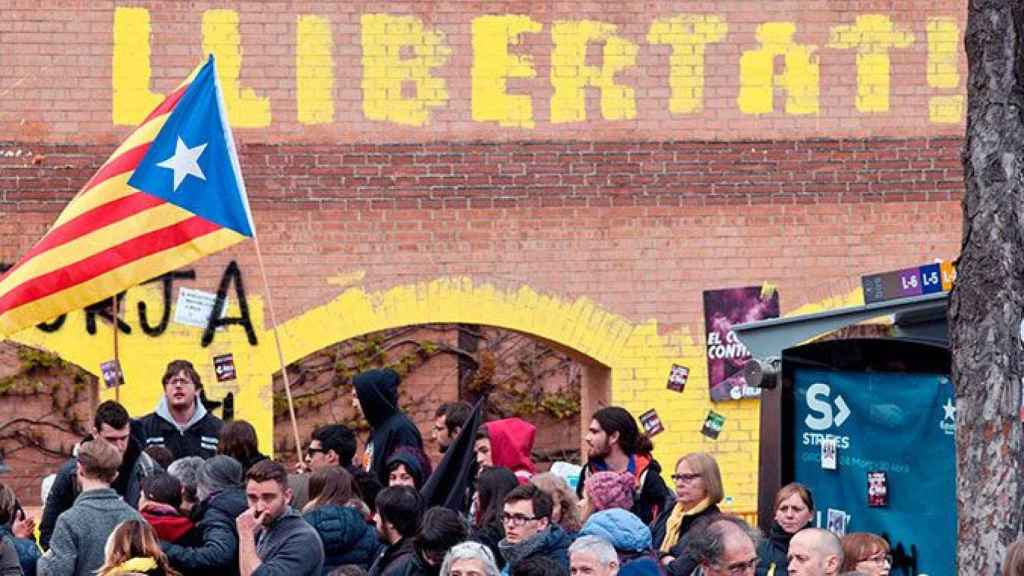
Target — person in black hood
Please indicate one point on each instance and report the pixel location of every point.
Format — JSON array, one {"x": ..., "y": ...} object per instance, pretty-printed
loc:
[
  {"x": 376, "y": 396},
  {"x": 794, "y": 510},
  {"x": 181, "y": 422},
  {"x": 408, "y": 467},
  {"x": 112, "y": 425}
]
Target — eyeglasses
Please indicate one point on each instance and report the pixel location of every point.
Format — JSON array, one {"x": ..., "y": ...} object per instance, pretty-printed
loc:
[
  {"x": 886, "y": 559},
  {"x": 685, "y": 477},
  {"x": 516, "y": 519},
  {"x": 740, "y": 568}
]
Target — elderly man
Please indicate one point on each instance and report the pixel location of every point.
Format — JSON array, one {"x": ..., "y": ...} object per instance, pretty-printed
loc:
[
  {"x": 724, "y": 546},
  {"x": 815, "y": 552},
  {"x": 593, "y": 556}
]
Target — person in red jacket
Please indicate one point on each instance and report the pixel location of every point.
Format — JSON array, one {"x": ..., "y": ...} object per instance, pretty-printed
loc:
[
  {"x": 507, "y": 443},
  {"x": 159, "y": 504}
]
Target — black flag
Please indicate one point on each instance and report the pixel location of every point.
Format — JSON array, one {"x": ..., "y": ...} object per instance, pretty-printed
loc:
[{"x": 451, "y": 479}]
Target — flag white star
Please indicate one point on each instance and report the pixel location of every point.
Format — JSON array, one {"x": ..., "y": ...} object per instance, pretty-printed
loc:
[
  {"x": 950, "y": 410},
  {"x": 184, "y": 162}
]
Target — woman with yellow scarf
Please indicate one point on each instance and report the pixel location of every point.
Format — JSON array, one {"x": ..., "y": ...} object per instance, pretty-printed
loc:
[
  {"x": 698, "y": 491},
  {"x": 133, "y": 550}
]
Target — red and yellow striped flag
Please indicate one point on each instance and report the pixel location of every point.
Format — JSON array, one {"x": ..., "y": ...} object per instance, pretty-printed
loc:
[{"x": 112, "y": 235}]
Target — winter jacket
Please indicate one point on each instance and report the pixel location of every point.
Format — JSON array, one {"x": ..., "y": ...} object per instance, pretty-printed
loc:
[
  {"x": 289, "y": 547},
  {"x": 168, "y": 524},
  {"x": 630, "y": 537},
  {"x": 346, "y": 536},
  {"x": 512, "y": 446},
  {"x": 683, "y": 565},
  {"x": 553, "y": 542},
  {"x": 771, "y": 553},
  {"x": 217, "y": 554},
  {"x": 28, "y": 551},
  {"x": 79, "y": 538},
  {"x": 199, "y": 437},
  {"x": 377, "y": 391},
  {"x": 135, "y": 465},
  {"x": 9, "y": 558},
  {"x": 394, "y": 560},
  {"x": 418, "y": 567},
  {"x": 652, "y": 495}
]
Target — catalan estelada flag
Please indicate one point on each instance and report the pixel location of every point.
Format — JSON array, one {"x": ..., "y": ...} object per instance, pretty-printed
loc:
[{"x": 169, "y": 195}]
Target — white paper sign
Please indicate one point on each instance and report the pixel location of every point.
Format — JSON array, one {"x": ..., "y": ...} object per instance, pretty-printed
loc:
[
  {"x": 194, "y": 307},
  {"x": 829, "y": 453}
]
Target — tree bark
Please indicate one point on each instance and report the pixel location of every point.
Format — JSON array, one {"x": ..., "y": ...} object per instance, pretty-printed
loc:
[{"x": 988, "y": 297}]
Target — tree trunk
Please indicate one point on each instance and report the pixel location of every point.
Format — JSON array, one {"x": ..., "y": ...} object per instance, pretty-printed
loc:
[{"x": 988, "y": 298}]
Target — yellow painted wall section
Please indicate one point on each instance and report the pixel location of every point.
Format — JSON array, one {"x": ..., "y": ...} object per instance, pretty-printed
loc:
[
  {"x": 639, "y": 355},
  {"x": 221, "y": 38},
  {"x": 493, "y": 65},
  {"x": 688, "y": 36},
  {"x": 943, "y": 42},
  {"x": 314, "y": 70},
  {"x": 872, "y": 36},
  {"x": 131, "y": 97},
  {"x": 385, "y": 70},
  {"x": 757, "y": 72},
  {"x": 570, "y": 74}
]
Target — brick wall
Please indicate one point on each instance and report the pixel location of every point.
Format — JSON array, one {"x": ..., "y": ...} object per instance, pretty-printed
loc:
[{"x": 435, "y": 202}]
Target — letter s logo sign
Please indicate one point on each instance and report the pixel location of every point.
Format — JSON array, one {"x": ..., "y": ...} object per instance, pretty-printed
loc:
[{"x": 818, "y": 401}]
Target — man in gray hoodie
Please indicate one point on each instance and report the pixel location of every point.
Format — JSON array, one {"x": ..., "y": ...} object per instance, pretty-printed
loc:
[
  {"x": 77, "y": 545},
  {"x": 180, "y": 422},
  {"x": 273, "y": 539}
]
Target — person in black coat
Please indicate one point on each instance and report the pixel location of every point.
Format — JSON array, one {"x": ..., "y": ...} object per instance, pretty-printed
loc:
[
  {"x": 221, "y": 501},
  {"x": 492, "y": 486},
  {"x": 376, "y": 396},
  {"x": 333, "y": 511},
  {"x": 181, "y": 422},
  {"x": 238, "y": 440},
  {"x": 794, "y": 510},
  {"x": 440, "y": 530},
  {"x": 698, "y": 492},
  {"x": 399, "y": 510},
  {"x": 112, "y": 425}
]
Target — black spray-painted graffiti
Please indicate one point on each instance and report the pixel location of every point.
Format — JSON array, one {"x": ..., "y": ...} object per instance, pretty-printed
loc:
[
  {"x": 904, "y": 562},
  {"x": 104, "y": 309}
]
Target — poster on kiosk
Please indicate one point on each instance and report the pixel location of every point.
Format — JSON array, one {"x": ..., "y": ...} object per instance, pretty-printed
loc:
[{"x": 895, "y": 461}]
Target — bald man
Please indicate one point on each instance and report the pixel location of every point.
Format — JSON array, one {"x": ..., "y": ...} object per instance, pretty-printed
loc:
[
  {"x": 815, "y": 552},
  {"x": 724, "y": 546}
]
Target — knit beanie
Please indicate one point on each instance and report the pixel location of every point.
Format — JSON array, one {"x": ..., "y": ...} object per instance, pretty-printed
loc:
[
  {"x": 610, "y": 490},
  {"x": 220, "y": 472}
]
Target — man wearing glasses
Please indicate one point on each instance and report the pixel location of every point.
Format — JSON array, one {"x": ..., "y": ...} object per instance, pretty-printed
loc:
[
  {"x": 724, "y": 546},
  {"x": 180, "y": 422},
  {"x": 529, "y": 531}
]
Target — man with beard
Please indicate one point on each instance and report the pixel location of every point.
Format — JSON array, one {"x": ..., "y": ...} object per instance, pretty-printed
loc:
[
  {"x": 180, "y": 422},
  {"x": 112, "y": 425},
  {"x": 273, "y": 539},
  {"x": 449, "y": 419},
  {"x": 614, "y": 443}
]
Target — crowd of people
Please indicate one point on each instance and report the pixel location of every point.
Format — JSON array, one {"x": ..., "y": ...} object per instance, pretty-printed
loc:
[{"x": 178, "y": 492}]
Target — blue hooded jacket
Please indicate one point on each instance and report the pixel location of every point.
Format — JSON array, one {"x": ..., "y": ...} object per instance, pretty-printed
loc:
[
  {"x": 630, "y": 537},
  {"x": 347, "y": 537}
]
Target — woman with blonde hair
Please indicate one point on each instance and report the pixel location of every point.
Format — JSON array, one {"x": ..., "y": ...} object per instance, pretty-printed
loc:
[
  {"x": 566, "y": 509},
  {"x": 698, "y": 491},
  {"x": 132, "y": 549},
  {"x": 794, "y": 509}
]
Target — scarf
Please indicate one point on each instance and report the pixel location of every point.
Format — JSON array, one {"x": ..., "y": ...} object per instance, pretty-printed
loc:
[
  {"x": 675, "y": 521},
  {"x": 135, "y": 565},
  {"x": 513, "y": 553}
]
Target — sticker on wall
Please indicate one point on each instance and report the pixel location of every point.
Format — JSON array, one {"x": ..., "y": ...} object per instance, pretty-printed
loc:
[
  {"x": 677, "y": 378},
  {"x": 651, "y": 423},
  {"x": 112, "y": 374},
  {"x": 194, "y": 307},
  {"x": 878, "y": 489},
  {"x": 224, "y": 367},
  {"x": 713, "y": 425},
  {"x": 829, "y": 453},
  {"x": 837, "y": 520}
]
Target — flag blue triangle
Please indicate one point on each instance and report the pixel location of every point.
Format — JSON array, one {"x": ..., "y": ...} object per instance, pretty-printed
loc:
[{"x": 192, "y": 162}]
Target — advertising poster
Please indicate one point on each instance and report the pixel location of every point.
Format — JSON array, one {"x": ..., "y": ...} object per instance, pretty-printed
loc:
[
  {"x": 896, "y": 476},
  {"x": 724, "y": 309}
]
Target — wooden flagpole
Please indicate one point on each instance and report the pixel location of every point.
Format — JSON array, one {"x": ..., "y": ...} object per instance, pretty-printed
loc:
[{"x": 280, "y": 353}]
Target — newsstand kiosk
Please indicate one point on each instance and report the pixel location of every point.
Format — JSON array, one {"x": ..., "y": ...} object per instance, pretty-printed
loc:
[{"x": 867, "y": 424}]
